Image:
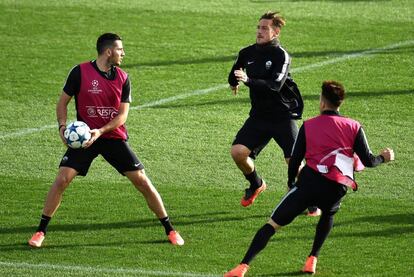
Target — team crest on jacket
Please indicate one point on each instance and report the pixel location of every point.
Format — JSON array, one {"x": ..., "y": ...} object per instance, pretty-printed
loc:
[{"x": 268, "y": 65}]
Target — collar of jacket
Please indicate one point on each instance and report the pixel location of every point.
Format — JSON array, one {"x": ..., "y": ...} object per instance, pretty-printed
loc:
[{"x": 267, "y": 46}]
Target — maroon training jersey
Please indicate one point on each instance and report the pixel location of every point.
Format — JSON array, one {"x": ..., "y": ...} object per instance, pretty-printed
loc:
[
  {"x": 329, "y": 147},
  {"x": 99, "y": 99}
]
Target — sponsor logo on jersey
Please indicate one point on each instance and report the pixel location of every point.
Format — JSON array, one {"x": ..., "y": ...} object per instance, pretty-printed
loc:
[
  {"x": 95, "y": 87},
  {"x": 103, "y": 112},
  {"x": 91, "y": 110}
]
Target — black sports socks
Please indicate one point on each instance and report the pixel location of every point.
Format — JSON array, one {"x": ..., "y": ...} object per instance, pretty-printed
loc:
[
  {"x": 254, "y": 179},
  {"x": 44, "y": 221},
  {"x": 167, "y": 225},
  {"x": 259, "y": 242},
  {"x": 322, "y": 231}
]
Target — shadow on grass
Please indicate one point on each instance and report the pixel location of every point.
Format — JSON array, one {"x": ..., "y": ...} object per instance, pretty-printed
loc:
[
  {"x": 182, "y": 220},
  {"x": 389, "y": 231},
  {"x": 105, "y": 244},
  {"x": 396, "y": 219},
  {"x": 293, "y": 273},
  {"x": 396, "y": 230}
]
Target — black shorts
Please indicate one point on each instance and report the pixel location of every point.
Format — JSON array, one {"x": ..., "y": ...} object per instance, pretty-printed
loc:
[
  {"x": 116, "y": 152},
  {"x": 312, "y": 189},
  {"x": 256, "y": 134}
]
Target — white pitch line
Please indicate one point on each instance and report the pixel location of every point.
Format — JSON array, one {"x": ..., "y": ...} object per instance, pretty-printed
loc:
[
  {"x": 353, "y": 56},
  {"x": 97, "y": 270},
  {"x": 178, "y": 97},
  {"x": 27, "y": 131}
]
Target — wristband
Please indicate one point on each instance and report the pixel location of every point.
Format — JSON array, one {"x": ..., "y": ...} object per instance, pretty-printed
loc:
[{"x": 61, "y": 125}]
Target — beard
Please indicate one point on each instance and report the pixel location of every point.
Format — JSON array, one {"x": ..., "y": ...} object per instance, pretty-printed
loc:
[{"x": 114, "y": 61}]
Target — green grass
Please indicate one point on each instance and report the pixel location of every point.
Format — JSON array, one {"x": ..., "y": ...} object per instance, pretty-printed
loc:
[{"x": 173, "y": 47}]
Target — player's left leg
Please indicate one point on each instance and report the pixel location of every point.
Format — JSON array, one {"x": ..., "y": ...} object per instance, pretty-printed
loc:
[
  {"x": 323, "y": 229},
  {"x": 144, "y": 185},
  {"x": 120, "y": 155},
  {"x": 330, "y": 197},
  {"x": 155, "y": 203}
]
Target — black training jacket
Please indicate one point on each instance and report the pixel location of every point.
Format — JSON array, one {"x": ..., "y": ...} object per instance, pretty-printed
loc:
[{"x": 273, "y": 93}]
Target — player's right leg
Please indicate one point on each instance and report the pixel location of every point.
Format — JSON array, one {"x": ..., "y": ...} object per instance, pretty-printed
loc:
[
  {"x": 53, "y": 199},
  {"x": 249, "y": 141},
  {"x": 241, "y": 156}
]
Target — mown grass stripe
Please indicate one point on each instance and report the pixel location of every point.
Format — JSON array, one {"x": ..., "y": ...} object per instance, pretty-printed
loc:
[{"x": 27, "y": 131}]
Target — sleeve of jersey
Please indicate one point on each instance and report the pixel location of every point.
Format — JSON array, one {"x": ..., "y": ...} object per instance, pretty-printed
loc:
[
  {"x": 237, "y": 65},
  {"x": 298, "y": 153},
  {"x": 278, "y": 77},
  {"x": 361, "y": 148},
  {"x": 126, "y": 92},
  {"x": 72, "y": 84}
]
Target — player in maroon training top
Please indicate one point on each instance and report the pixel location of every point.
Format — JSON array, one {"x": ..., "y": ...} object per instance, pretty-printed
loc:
[
  {"x": 102, "y": 96},
  {"x": 328, "y": 143}
]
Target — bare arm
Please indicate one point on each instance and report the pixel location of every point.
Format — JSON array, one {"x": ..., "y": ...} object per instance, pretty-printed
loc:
[{"x": 62, "y": 113}]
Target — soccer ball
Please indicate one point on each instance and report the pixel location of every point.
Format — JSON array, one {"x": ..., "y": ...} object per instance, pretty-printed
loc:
[{"x": 77, "y": 134}]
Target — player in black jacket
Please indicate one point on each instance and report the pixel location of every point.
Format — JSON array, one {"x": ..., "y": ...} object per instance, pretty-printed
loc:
[{"x": 275, "y": 101}]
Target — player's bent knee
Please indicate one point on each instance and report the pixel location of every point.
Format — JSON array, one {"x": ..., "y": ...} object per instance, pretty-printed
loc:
[
  {"x": 239, "y": 152},
  {"x": 142, "y": 177},
  {"x": 274, "y": 224},
  {"x": 62, "y": 182},
  {"x": 139, "y": 179}
]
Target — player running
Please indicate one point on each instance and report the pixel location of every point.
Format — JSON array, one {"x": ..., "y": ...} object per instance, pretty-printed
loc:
[
  {"x": 328, "y": 143},
  {"x": 275, "y": 102}
]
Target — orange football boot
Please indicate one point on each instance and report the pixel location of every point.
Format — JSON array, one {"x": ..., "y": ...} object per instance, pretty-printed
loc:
[
  {"x": 247, "y": 199},
  {"x": 175, "y": 238},
  {"x": 37, "y": 239},
  {"x": 310, "y": 265},
  {"x": 238, "y": 271}
]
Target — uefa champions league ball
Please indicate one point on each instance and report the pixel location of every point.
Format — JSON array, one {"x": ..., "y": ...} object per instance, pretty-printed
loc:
[{"x": 77, "y": 134}]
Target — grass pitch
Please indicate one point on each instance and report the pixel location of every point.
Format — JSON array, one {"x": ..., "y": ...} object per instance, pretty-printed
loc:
[{"x": 174, "y": 49}]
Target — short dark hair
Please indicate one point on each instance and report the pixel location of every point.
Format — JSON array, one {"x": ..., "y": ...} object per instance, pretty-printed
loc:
[
  {"x": 333, "y": 92},
  {"x": 105, "y": 41},
  {"x": 277, "y": 19}
]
